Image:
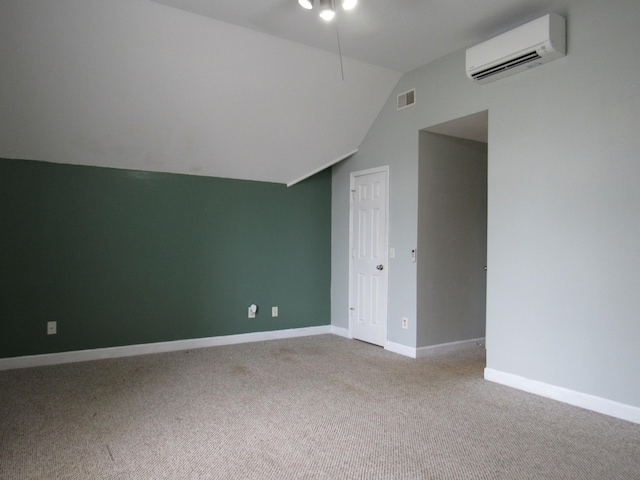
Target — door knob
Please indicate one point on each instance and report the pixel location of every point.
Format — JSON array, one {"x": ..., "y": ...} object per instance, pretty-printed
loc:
[{"x": 379, "y": 267}]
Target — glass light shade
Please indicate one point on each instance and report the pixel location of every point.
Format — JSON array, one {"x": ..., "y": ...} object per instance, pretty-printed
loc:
[
  {"x": 349, "y": 4},
  {"x": 327, "y": 14},
  {"x": 326, "y": 10},
  {"x": 308, "y": 4}
]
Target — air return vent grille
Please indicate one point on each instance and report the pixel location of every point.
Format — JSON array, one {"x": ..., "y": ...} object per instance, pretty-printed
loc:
[{"x": 406, "y": 99}]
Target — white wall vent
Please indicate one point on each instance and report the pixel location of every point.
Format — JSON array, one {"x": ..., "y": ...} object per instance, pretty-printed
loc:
[
  {"x": 528, "y": 46},
  {"x": 406, "y": 99}
]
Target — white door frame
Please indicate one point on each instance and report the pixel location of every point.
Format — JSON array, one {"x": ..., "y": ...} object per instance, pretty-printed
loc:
[{"x": 384, "y": 169}]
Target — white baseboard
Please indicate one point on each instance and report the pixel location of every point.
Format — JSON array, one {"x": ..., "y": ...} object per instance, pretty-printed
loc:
[
  {"x": 578, "y": 399},
  {"x": 400, "y": 349},
  {"x": 421, "y": 352},
  {"x": 143, "y": 349},
  {"x": 448, "y": 347},
  {"x": 341, "y": 332}
]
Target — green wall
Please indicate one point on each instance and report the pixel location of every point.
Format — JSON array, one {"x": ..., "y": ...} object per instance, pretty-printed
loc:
[{"x": 121, "y": 257}]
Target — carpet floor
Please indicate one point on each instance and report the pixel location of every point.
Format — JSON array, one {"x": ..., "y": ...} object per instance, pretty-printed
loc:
[{"x": 318, "y": 407}]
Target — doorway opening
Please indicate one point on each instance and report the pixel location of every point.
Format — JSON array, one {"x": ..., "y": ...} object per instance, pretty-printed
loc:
[{"x": 452, "y": 234}]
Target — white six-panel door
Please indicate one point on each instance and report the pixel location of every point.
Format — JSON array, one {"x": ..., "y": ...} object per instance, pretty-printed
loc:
[{"x": 369, "y": 253}]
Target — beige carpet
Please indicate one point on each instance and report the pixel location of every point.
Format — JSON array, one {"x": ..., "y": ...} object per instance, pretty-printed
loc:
[{"x": 317, "y": 407}]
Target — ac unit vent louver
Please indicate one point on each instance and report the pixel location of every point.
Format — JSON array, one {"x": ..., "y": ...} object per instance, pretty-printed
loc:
[
  {"x": 406, "y": 99},
  {"x": 501, "y": 67}
]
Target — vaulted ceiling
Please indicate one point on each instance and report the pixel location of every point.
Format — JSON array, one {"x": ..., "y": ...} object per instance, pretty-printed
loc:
[
  {"x": 250, "y": 89},
  {"x": 401, "y": 35}
]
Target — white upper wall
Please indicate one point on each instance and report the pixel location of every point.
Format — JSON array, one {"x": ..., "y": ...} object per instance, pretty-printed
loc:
[
  {"x": 138, "y": 85},
  {"x": 564, "y": 194}
]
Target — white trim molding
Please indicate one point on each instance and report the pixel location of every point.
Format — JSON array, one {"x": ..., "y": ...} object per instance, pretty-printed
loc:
[
  {"x": 341, "y": 332},
  {"x": 400, "y": 349},
  {"x": 161, "y": 347},
  {"x": 422, "y": 352},
  {"x": 449, "y": 347},
  {"x": 578, "y": 399}
]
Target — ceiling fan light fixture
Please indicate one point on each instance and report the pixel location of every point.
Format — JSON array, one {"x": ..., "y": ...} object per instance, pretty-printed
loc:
[
  {"x": 308, "y": 4},
  {"x": 349, "y": 4},
  {"x": 326, "y": 10}
]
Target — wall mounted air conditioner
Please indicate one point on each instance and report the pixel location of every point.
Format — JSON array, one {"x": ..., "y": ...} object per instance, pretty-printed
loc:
[{"x": 530, "y": 45}]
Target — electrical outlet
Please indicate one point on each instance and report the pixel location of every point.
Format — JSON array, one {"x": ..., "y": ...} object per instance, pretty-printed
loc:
[
  {"x": 252, "y": 310},
  {"x": 405, "y": 322},
  {"x": 274, "y": 311},
  {"x": 52, "y": 328}
]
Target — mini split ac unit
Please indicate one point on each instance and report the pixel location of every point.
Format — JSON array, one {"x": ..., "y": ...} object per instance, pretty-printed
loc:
[{"x": 528, "y": 46}]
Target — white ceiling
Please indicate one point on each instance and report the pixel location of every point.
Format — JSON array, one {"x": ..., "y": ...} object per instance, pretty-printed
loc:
[
  {"x": 400, "y": 35},
  {"x": 247, "y": 89}
]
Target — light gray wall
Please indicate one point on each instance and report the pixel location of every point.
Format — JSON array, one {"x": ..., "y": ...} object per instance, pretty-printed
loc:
[
  {"x": 403, "y": 187},
  {"x": 564, "y": 229},
  {"x": 563, "y": 203},
  {"x": 452, "y": 239},
  {"x": 442, "y": 93}
]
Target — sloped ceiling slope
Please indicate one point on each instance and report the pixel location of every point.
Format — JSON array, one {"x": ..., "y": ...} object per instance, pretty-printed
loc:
[{"x": 135, "y": 84}]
